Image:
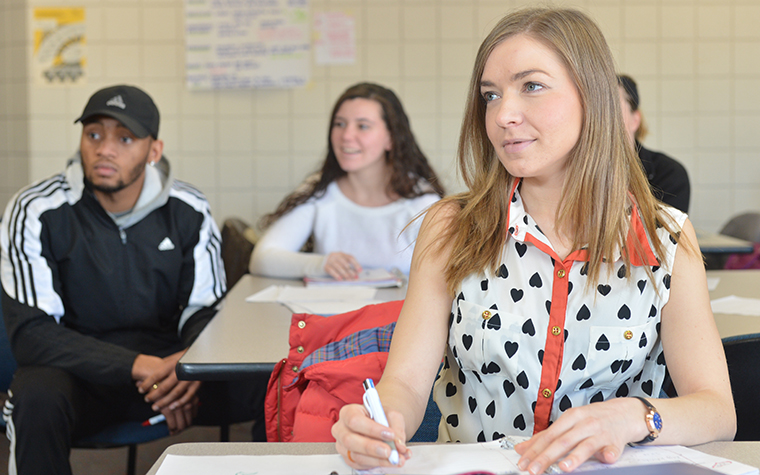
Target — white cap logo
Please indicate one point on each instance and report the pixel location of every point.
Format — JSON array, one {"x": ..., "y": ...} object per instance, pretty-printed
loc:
[{"x": 116, "y": 101}]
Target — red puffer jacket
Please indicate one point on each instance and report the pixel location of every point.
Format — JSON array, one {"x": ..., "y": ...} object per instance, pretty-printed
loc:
[{"x": 329, "y": 358}]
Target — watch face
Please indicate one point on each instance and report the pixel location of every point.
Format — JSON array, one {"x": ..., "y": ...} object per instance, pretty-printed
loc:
[{"x": 657, "y": 421}]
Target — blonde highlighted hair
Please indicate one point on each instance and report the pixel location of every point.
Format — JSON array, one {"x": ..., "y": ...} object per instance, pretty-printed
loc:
[{"x": 604, "y": 176}]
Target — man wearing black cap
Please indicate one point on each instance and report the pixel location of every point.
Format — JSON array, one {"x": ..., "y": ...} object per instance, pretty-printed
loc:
[
  {"x": 109, "y": 271},
  {"x": 667, "y": 177}
]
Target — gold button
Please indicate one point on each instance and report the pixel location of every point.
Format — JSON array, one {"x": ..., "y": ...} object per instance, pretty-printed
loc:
[
  {"x": 301, "y": 324},
  {"x": 486, "y": 314},
  {"x": 556, "y": 330},
  {"x": 628, "y": 334},
  {"x": 299, "y": 349},
  {"x": 295, "y": 369},
  {"x": 561, "y": 273},
  {"x": 547, "y": 393}
]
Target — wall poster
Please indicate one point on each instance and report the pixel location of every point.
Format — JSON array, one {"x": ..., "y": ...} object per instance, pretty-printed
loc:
[
  {"x": 246, "y": 43},
  {"x": 59, "y": 39}
]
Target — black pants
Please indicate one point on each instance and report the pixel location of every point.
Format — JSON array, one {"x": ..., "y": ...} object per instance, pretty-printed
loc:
[{"x": 51, "y": 408}]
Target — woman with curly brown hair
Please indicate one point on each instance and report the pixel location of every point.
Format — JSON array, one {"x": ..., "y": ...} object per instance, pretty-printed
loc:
[{"x": 373, "y": 182}]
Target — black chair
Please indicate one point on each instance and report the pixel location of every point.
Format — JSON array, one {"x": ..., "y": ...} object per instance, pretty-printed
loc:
[
  {"x": 743, "y": 358},
  {"x": 744, "y": 226},
  {"x": 238, "y": 240}
]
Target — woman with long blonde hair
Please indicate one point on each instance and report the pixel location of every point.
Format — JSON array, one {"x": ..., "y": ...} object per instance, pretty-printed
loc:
[{"x": 556, "y": 281}]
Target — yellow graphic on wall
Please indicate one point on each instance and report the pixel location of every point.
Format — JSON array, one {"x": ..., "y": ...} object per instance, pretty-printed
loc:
[{"x": 59, "y": 41}]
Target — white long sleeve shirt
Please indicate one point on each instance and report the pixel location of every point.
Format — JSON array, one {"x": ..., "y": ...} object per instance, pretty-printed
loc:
[{"x": 371, "y": 234}]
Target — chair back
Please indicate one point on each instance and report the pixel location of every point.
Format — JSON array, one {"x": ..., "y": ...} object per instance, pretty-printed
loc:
[
  {"x": 238, "y": 239},
  {"x": 743, "y": 358},
  {"x": 7, "y": 361},
  {"x": 743, "y": 226}
]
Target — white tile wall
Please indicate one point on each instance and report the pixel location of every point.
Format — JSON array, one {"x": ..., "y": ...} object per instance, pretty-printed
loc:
[{"x": 696, "y": 62}]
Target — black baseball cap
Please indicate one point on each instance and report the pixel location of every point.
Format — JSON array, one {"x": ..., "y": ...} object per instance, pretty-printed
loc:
[{"x": 131, "y": 106}]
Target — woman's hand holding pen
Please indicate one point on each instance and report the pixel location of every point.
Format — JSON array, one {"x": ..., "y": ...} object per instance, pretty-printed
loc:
[
  {"x": 342, "y": 266},
  {"x": 363, "y": 443}
]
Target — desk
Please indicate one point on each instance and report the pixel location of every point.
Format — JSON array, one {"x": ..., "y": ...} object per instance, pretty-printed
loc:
[
  {"x": 744, "y": 452},
  {"x": 245, "y": 337},
  {"x": 742, "y": 283},
  {"x": 714, "y": 243}
]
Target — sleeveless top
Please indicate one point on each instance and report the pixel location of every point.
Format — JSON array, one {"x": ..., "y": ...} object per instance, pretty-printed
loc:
[{"x": 531, "y": 342}]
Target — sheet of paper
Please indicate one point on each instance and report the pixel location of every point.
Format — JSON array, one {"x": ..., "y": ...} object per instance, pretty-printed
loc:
[
  {"x": 736, "y": 306},
  {"x": 287, "y": 293},
  {"x": 712, "y": 283},
  {"x": 252, "y": 464},
  {"x": 440, "y": 459},
  {"x": 328, "y": 308}
]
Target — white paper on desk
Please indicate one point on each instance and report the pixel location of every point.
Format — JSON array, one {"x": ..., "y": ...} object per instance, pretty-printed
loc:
[
  {"x": 434, "y": 459},
  {"x": 287, "y": 293},
  {"x": 253, "y": 464},
  {"x": 736, "y": 306},
  {"x": 712, "y": 283},
  {"x": 328, "y": 308}
]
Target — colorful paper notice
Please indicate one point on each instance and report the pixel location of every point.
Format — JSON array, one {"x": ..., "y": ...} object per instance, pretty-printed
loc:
[
  {"x": 247, "y": 43},
  {"x": 334, "y": 38},
  {"x": 59, "y": 38}
]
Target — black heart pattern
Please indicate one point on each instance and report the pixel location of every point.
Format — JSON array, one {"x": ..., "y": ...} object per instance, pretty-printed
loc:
[
  {"x": 624, "y": 313},
  {"x": 535, "y": 281},
  {"x": 453, "y": 420},
  {"x": 622, "y": 272},
  {"x": 491, "y": 409},
  {"x": 516, "y": 294},
  {"x": 521, "y": 248},
  {"x": 602, "y": 344},
  {"x": 503, "y": 273},
  {"x": 467, "y": 341},
  {"x": 528, "y": 328},
  {"x": 484, "y": 285},
  {"x": 510, "y": 348},
  {"x": 462, "y": 378},
  {"x": 579, "y": 363},
  {"x": 643, "y": 340},
  {"x": 451, "y": 389},
  {"x": 519, "y": 422},
  {"x": 473, "y": 404},
  {"x": 509, "y": 388},
  {"x": 641, "y": 285},
  {"x": 565, "y": 403},
  {"x": 603, "y": 289},
  {"x": 494, "y": 323},
  {"x": 522, "y": 380},
  {"x": 647, "y": 386},
  {"x": 491, "y": 368},
  {"x": 583, "y": 314}
]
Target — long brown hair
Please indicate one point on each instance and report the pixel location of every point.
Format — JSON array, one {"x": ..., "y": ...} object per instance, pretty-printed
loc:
[
  {"x": 411, "y": 174},
  {"x": 604, "y": 176}
]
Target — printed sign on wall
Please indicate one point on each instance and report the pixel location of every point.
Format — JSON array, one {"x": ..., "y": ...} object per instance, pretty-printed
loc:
[
  {"x": 59, "y": 39},
  {"x": 246, "y": 43}
]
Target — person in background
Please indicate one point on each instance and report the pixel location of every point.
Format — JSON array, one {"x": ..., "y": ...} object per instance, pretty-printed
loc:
[
  {"x": 373, "y": 182},
  {"x": 557, "y": 286},
  {"x": 109, "y": 272},
  {"x": 668, "y": 178}
]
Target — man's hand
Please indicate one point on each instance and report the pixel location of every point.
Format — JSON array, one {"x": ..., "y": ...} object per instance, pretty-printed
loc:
[{"x": 177, "y": 400}]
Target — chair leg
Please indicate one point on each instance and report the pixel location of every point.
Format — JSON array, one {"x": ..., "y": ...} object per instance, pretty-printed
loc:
[
  {"x": 224, "y": 433},
  {"x": 132, "y": 459}
]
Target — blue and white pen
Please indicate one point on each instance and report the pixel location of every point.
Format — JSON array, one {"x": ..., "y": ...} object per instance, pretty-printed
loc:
[{"x": 375, "y": 409}]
